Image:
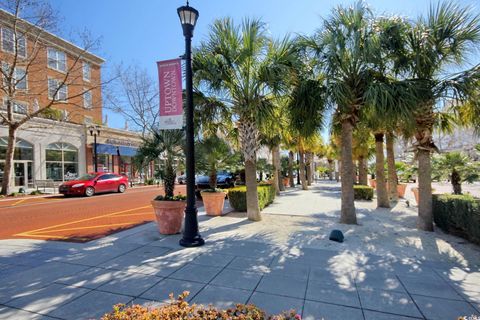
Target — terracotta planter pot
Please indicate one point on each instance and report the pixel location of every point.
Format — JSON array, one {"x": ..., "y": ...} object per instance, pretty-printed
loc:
[
  {"x": 286, "y": 182},
  {"x": 373, "y": 183},
  {"x": 213, "y": 202},
  {"x": 401, "y": 187},
  {"x": 169, "y": 215}
]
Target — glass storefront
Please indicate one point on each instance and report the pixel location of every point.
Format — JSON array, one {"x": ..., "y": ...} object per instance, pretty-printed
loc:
[
  {"x": 22, "y": 162},
  {"x": 61, "y": 161}
]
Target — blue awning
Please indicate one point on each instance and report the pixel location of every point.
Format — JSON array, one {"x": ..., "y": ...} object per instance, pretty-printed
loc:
[{"x": 111, "y": 149}]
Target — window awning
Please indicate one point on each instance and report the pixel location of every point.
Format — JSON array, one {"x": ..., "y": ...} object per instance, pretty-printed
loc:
[{"x": 111, "y": 149}]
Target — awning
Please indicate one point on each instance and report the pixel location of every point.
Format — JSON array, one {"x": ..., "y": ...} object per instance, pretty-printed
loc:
[{"x": 111, "y": 149}]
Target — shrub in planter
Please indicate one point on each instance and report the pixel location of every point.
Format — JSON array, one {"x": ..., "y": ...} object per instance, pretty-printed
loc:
[
  {"x": 238, "y": 196},
  {"x": 363, "y": 192},
  {"x": 180, "y": 309},
  {"x": 458, "y": 214}
]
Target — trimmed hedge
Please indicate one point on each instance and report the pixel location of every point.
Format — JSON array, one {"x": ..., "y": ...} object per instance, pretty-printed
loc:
[
  {"x": 238, "y": 196},
  {"x": 458, "y": 215},
  {"x": 363, "y": 192}
]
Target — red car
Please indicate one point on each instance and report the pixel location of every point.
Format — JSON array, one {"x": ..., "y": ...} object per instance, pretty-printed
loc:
[{"x": 92, "y": 183}]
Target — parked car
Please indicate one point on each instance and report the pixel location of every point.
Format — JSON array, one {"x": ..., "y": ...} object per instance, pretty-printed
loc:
[
  {"x": 182, "y": 179},
  {"x": 92, "y": 183},
  {"x": 224, "y": 180}
]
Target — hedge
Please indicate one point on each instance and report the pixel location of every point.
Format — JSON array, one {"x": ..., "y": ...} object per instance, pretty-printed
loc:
[
  {"x": 238, "y": 196},
  {"x": 458, "y": 215},
  {"x": 363, "y": 192}
]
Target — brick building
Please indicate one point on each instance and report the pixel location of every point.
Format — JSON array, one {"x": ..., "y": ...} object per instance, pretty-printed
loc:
[{"x": 57, "y": 85}]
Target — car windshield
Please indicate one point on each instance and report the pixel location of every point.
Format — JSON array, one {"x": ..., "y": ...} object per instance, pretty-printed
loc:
[{"x": 87, "y": 176}]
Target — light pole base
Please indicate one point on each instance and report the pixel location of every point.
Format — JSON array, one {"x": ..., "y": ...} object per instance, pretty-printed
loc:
[{"x": 190, "y": 243}]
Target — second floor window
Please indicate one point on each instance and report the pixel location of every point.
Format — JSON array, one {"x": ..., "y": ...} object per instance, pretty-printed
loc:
[
  {"x": 56, "y": 91},
  {"x": 17, "y": 106},
  {"x": 19, "y": 76},
  {"x": 86, "y": 71},
  {"x": 8, "y": 42},
  {"x": 87, "y": 100},
  {"x": 57, "y": 59}
]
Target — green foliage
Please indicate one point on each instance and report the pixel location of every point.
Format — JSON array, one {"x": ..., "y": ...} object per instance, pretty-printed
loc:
[
  {"x": 52, "y": 114},
  {"x": 178, "y": 197},
  {"x": 149, "y": 182},
  {"x": 238, "y": 196},
  {"x": 180, "y": 309},
  {"x": 213, "y": 154},
  {"x": 363, "y": 193},
  {"x": 458, "y": 214},
  {"x": 457, "y": 167},
  {"x": 165, "y": 147},
  {"x": 405, "y": 171},
  {"x": 35, "y": 193}
]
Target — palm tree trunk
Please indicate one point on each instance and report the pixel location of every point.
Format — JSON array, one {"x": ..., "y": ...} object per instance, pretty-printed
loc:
[
  {"x": 7, "y": 170},
  {"x": 338, "y": 172},
  {"x": 303, "y": 176},
  {"x": 276, "y": 169},
  {"x": 425, "y": 218},
  {"x": 392, "y": 171},
  {"x": 362, "y": 171},
  {"x": 354, "y": 172},
  {"x": 347, "y": 214},
  {"x": 308, "y": 165},
  {"x": 382, "y": 196},
  {"x": 290, "y": 168},
  {"x": 331, "y": 169},
  {"x": 248, "y": 133},
  {"x": 456, "y": 182}
]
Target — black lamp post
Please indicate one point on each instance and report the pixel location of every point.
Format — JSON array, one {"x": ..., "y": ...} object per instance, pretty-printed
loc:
[
  {"x": 191, "y": 237},
  {"x": 95, "y": 131}
]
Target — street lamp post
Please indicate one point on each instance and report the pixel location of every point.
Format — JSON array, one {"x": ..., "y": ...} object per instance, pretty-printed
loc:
[
  {"x": 191, "y": 237},
  {"x": 94, "y": 131}
]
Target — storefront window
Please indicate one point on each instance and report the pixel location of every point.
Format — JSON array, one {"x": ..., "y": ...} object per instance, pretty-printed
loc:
[
  {"x": 105, "y": 163},
  {"x": 61, "y": 161},
  {"x": 23, "y": 150}
]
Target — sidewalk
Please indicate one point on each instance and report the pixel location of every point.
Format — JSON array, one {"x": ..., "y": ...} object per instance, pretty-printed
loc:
[{"x": 385, "y": 269}]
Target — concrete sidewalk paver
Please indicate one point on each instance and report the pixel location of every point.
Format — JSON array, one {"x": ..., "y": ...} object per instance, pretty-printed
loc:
[{"x": 385, "y": 269}]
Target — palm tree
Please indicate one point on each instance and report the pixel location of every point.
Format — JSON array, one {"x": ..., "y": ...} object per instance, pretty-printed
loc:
[
  {"x": 348, "y": 51},
  {"x": 457, "y": 167},
  {"x": 362, "y": 151},
  {"x": 166, "y": 147},
  {"x": 243, "y": 67},
  {"x": 446, "y": 36}
]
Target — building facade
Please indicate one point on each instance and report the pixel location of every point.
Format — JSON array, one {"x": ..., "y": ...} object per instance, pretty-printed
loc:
[{"x": 57, "y": 86}]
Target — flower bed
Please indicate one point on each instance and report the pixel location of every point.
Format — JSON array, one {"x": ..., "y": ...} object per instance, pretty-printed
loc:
[
  {"x": 180, "y": 309},
  {"x": 458, "y": 214},
  {"x": 238, "y": 196}
]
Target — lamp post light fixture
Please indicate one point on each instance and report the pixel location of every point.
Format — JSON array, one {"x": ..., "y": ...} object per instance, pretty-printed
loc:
[
  {"x": 94, "y": 131},
  {"x": 191, "y": 237}
]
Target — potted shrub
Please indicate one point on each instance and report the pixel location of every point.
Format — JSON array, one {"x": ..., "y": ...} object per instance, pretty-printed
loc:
[
  {"x": 213, "y": 154},
  {"x": 165, "y": 146},
  {"x": 401, "y": 187}
]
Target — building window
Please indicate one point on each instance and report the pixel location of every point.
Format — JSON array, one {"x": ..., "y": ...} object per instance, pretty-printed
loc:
[
  {"x": 23, "y": 149},
  {"x": 61, "y": 161},
  {"x": 56, "y": 90},
  {"x": 87, "y": 120},
  {"x": 86, "y": 71},
  {"x": 8, "y": 42},
  {"x": 57, "y": 59},
  {"x": 87, "y": 100},
  {"x": 17, "y": 106},
  {"x": 19, "y": 76}
]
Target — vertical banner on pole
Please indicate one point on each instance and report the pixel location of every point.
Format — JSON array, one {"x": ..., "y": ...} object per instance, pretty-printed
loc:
[{"x": 171, "y": 102}]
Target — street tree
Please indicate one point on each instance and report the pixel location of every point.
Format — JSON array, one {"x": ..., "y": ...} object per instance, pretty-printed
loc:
[{"x": 27, "y": 90}]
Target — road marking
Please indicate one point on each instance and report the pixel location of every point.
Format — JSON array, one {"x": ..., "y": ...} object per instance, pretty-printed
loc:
[
  {"x": 134, "y": 214},
  {"x": 90, "y": 227},
  {"x": 87, "y": 219},
  {"x": 19, "y": 201},
  {"x": 54, "y": 237}
]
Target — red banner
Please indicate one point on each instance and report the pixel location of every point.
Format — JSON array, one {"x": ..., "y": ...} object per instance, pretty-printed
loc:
[{"x": 171, "y": 102}]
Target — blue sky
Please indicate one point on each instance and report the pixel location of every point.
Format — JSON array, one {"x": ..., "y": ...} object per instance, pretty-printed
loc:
[{"x": 143, "y": 32}]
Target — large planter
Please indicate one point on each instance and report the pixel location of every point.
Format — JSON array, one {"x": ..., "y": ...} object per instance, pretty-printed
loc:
[
  {"x": 169, "y": 215},
  {"x": 213, "y": 202},
  {"x": 286, "y": 182},
  {"x": 401, "y": 187},
  {"x": 373, "y": 183}
]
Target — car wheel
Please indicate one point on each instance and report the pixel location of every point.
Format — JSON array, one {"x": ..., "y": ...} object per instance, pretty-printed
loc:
[
  {"x": 90, "y": 191},
  {"x": 121, "y": 188}
]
